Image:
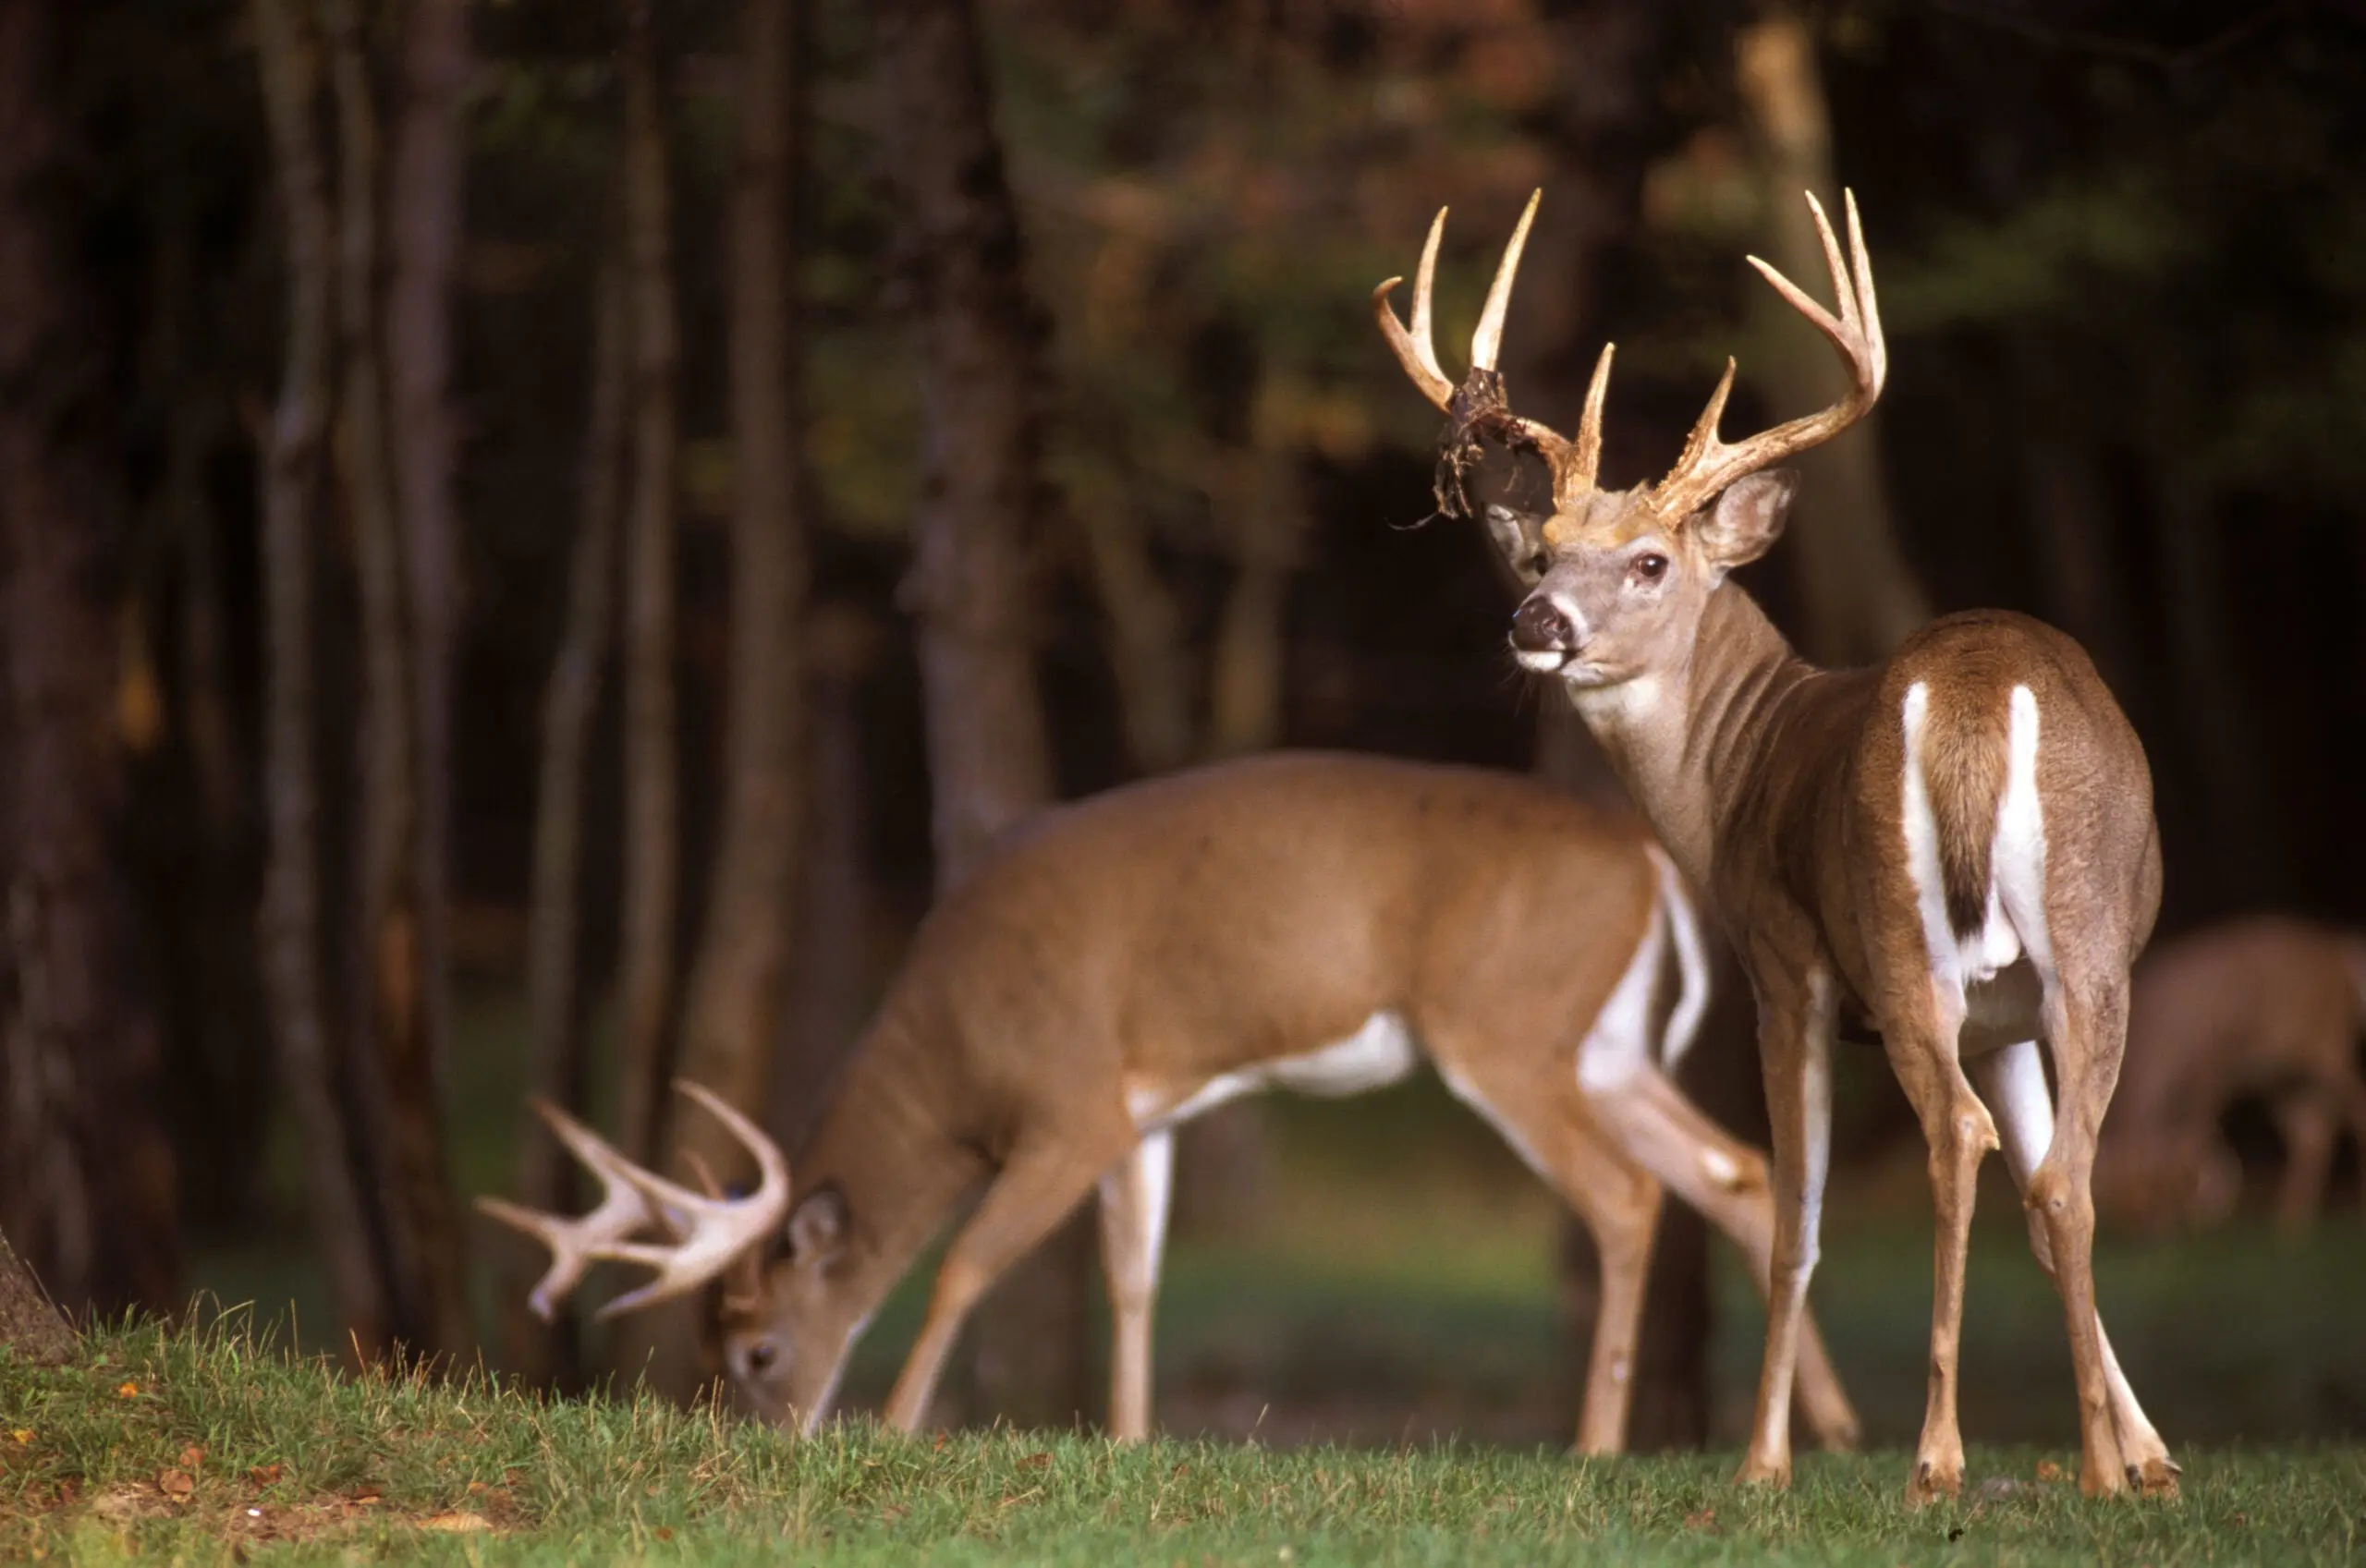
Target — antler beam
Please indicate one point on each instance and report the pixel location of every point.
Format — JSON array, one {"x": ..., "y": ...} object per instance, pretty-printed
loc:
[
  {"x": 709, "y": 1232},
  {"x": 1708, "y": 466}
]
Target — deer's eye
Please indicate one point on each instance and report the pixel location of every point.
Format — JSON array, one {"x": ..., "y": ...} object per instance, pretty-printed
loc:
[
  {"x": 760, "y": 1356},
  {"x": 1651, "y": 567}
]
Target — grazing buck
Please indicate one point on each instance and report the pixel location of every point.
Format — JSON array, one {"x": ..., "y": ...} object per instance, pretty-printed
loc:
[
  {"x": 2269, "y": 1006},
  {"x": 1957, "y": 845},
  {"x": 1115, "y": 967}
]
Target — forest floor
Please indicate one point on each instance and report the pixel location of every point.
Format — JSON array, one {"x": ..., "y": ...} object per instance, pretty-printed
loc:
[{"x": 203, "y": 1445}]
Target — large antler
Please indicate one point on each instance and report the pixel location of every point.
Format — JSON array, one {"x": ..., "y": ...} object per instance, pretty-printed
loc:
[
  {"x": 1573, "y": 462},
  {"x": 709, "y": 1232},
  {"x": 1707, "y": 466}
]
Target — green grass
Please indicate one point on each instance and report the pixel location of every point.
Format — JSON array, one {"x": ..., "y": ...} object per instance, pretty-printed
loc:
[{"x": 288, "y": 1459}]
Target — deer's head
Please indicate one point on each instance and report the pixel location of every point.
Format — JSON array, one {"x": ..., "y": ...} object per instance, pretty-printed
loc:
[
  {"x": 1618, "y": 580},
  {"x": 784, "y": 1318}
]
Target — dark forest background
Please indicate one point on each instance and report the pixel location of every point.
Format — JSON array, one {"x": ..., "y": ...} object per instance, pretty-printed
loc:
[{"x": 542, "y": 530}]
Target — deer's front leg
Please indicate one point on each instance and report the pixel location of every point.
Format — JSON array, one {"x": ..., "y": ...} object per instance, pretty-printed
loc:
[
  {"x": 1795, "y": 1053},
  {"x": 1134, "y": 1201}
]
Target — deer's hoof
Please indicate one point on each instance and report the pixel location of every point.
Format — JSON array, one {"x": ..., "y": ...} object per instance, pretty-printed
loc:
[
  {"x": 1757, "y": 1472},
  {"x": 1934, "y": 1480},
  {"x": 2155, "y": 1477}
]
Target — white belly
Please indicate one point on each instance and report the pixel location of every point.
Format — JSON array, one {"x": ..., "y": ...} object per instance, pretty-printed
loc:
[{"x": 1380, "y": 1053}]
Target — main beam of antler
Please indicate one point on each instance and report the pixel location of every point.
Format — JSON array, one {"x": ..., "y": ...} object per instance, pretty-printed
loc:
[{"x": 1708, "y": 466}]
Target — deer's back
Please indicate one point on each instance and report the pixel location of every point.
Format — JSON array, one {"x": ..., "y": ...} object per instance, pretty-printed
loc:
[{"x": 1270, "y": 907}]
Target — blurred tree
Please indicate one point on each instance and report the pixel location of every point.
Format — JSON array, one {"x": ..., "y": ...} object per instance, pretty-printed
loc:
[
  {"x": 555, "y": 993},
  {"x": 393, "y": 1081},
  {"x": 293, "y": 485},
  {"x": 426, "y": 185},
  {"x": 653, "y": 809},
  {"x": 972, "y": 587},
  {"x": 85, "y": 1175},
  {"x": 31, "y": 1328},
  {"x": 737, "y": 993}
]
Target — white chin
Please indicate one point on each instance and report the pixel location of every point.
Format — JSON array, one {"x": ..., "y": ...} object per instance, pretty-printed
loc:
[{"x": 1548, "y": 662}]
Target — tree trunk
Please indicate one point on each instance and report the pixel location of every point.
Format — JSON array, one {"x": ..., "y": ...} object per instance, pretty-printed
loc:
[
  {"x": 1860, "y": 597},
  {"x": 426, "y": 185},
  {"x": 293, "y": 485},
  {"x": 972, "y": 585},
  {"x": 395, "y": 1077},
  {"x": 652, "y": 850},
  {"x": 547, "y": 1179},
  {"x": 31, "y": 1330},
  {"x": 830, "y": 990},
  {"x": 736, "y": 998},
  {"x": 86, "y": 1175}
]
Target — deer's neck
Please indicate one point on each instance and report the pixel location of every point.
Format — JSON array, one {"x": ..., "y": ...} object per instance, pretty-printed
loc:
[
  {"x": 889, "y": 1146},
  {"x": 1687, "y": 739}
]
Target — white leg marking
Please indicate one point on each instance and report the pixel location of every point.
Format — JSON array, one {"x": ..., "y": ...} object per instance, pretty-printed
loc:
[
  {"x": 1815, "y": 1088},
  {"x": 2013, "y": 1080},
  {"x": 1618, "y": 1045},
  {"x": 1691, "y": 963}
]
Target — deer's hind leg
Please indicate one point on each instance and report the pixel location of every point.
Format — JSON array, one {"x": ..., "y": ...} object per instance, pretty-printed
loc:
[
  {"x": 1533, "y": 1101},
  {"x": 2013, "y": 1082},
  {"x": 1728, "y": 1182},
  {"x": 2086, "y": 1021}
]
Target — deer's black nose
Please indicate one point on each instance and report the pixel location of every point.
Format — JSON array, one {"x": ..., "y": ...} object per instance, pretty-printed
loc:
[{"x": 1540, "y": 627}]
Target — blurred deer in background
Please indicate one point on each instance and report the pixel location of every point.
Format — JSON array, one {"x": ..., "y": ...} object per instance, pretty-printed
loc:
[
  {"x": 1113, "y": 967},
  {"x": 2270, "y": 1006},
  {"x": 1957, "y": 845}
]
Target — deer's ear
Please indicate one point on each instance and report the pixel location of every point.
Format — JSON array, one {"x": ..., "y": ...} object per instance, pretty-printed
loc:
[
  {"x": 1747, "y": 519},
  {"x": 816, "y": 1231}
]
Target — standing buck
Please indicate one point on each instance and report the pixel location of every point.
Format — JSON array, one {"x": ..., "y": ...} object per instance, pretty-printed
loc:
[
  {"x": 1957, "y": 845},
  {"x": 1115, "y": 967},
  {"x": 2268, "y": 1005}
]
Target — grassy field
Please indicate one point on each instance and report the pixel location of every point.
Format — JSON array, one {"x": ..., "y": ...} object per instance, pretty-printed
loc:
[
  {"x": 201, "y": 1446},
  {"x": 1387, "y": 1331}
]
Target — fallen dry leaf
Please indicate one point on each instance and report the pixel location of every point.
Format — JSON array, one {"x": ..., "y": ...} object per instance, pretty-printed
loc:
[
  {"x": 365, "y": 1497},
  {"x": 1035, "y": 1462},
  {"x": 263, "y": 1475},
  {"x": 177, "y": 1485},
  {"x": 456, "y": 1523},
  {"x": 127, "y": 1390},
  {"x": 192, "y": 1457},
  {"x": 665, "y": 1531},
  {"x": 2047, "y": 1470},
  {"x": 1701, "y": 1520},
  {"x": 22, "y": 1435}
]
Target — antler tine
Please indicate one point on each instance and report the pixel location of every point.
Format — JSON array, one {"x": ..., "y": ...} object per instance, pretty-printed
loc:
[
  {"x": 1585, "y": 453},
  {"x": 1707, "y": 465},
  {"x": 709, "y": 1232},
  {"x": 575, "y": 1243},
  {"x": 1415, "y": 350},
  {"x": 1487, "y": 342}
]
